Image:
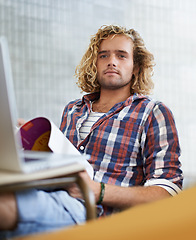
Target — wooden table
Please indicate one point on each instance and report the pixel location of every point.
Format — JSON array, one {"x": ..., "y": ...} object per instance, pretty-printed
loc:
[{"x": 56, "y": 177}]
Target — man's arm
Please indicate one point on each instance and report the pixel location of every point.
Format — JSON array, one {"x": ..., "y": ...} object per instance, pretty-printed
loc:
[
  {"x": 122, "y": 197},
  {"x": 8, "y": 211}
]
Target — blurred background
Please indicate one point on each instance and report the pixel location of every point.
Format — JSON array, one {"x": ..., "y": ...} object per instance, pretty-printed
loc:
[{"x": 47, "y": 39}]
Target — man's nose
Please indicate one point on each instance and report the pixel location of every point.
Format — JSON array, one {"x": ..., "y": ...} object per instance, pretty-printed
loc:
[{"x": 112, "y": 62}]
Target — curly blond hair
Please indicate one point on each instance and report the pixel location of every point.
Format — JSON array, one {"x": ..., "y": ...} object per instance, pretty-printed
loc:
[{"x": 86, "y": 71}]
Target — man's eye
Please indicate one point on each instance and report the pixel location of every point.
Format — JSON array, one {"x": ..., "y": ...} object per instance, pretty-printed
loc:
[
  {"x": 103, "y": 56},
  {"x": 121, "y": 56}
]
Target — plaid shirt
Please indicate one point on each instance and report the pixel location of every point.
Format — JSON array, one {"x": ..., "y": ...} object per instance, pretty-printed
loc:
[{"x": 135, "y": 143}]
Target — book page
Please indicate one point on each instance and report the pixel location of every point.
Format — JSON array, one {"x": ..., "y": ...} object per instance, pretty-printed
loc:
[{"x": 41, "y": 134}]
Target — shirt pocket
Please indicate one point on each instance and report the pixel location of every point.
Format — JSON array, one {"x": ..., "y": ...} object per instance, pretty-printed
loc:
[{"x": 123, "y": 141}]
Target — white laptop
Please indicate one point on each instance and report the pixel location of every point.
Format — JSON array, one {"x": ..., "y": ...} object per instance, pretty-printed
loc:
[{"x": 12, "y": 157}]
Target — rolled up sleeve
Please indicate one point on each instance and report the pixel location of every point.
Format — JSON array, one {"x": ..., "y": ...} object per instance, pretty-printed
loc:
[{"x": 162, "y": 151}]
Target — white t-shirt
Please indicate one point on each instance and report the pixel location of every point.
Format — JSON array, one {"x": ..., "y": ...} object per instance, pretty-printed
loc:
[{"x": 86, "y": 126}]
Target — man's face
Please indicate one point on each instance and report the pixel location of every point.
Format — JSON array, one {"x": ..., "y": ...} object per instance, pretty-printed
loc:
[{"x": 115, "y": 62}]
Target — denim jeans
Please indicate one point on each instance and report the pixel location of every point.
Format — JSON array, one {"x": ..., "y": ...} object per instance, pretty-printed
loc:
[{"x": 40, "y": 211}]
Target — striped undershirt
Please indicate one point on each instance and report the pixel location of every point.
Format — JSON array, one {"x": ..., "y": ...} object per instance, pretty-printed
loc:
[{"x": 86, "y": 126}]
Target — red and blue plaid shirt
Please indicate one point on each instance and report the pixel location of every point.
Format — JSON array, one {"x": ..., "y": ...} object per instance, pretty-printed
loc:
[{"x": 135, "y": 143}]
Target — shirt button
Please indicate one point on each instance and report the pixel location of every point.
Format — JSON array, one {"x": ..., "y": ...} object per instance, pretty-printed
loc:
[{"x": 81, "y": 148}]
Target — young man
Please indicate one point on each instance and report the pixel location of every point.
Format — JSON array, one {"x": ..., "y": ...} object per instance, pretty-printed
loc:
[{"x": 132, "y": 140}]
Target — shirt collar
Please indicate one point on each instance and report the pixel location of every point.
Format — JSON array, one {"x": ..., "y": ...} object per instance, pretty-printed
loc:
[
  {"x": 88, "y": 98},
  {"x": 133, "y": 98},
  {"x": 94, "y": 96}
]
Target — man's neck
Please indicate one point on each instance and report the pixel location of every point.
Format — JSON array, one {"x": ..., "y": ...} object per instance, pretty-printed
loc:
[{"x": 108, "y": 98}]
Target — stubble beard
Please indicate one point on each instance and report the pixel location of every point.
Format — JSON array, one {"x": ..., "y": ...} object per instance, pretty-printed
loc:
[{"x": 112, "y": 84}]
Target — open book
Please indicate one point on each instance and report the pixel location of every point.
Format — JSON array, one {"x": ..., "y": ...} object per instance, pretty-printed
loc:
[{"x": 41, "y": 134}]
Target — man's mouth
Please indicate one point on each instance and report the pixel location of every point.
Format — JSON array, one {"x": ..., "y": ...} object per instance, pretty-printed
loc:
[{"x": 109, "y": 71}]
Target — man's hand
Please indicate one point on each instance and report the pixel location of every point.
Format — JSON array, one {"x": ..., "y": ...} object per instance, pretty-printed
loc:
[
  {"x": 21, "y": 122},
  {"x": 94, "y": 186},
  {"x": 75, "y": 192}
]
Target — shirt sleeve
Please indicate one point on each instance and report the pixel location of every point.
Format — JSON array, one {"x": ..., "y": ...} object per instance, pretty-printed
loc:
[
  {"x": 161, "y": 151},
  {"x": 168, "y": 185},
  {"x": 64, "y": 119}
]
